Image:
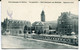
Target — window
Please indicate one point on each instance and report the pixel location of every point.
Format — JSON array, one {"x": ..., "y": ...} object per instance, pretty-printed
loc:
[
  {"x": 62, "y": 21},
  {"x": 65, "y": 27},
  {"x": 20, "y": 32},
  {"x": 59, "y": 22}
]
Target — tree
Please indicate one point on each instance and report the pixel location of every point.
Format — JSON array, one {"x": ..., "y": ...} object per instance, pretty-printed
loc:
[
  {"x": 25, "y": 30},
  {"x": 4, "y": 26}
]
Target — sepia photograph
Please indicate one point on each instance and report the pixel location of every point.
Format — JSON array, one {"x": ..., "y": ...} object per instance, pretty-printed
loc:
[{"x": 39, "y": 24}]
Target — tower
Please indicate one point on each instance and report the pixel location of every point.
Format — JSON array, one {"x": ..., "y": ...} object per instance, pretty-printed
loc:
[{"x": 42, "y": 16}]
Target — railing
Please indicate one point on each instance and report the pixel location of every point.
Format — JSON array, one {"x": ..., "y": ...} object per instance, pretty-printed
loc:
[{"x": 71, "y": 41}]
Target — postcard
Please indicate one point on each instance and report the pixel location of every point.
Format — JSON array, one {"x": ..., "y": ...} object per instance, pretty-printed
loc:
[{"x": 39, "y": 24}]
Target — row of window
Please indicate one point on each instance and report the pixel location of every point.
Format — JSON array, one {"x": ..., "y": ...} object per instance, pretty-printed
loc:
[{"x": 18, "y": 22}]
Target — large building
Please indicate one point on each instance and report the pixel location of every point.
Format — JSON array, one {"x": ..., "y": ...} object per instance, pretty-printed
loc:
[
  {"x": 16, "y": 27},
  {"x": 67, "y": 23},
  {"x": 43, "y": 27}
]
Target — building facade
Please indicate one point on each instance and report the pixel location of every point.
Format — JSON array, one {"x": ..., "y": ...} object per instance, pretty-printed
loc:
[
  {"x": 41, "y": 28},
  {"x": 67, "y": 23},
  {"x": 16, "y": 27}
]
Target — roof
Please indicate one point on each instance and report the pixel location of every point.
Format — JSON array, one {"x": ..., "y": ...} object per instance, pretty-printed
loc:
[
  {"x": 68, "y": 14},
  {"x": 40, "y": 23},
  {"x": 52, "y": 24}
]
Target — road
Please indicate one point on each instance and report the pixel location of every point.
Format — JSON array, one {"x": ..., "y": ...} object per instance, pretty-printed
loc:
[{"x": 9, "y": 41}]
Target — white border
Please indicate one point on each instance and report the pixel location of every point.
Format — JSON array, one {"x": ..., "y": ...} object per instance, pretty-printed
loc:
[{"x": 35, "y": 49}]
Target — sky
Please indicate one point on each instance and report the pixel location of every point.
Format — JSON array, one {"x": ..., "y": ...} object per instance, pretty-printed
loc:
[{"x": 32, "y": 11}]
